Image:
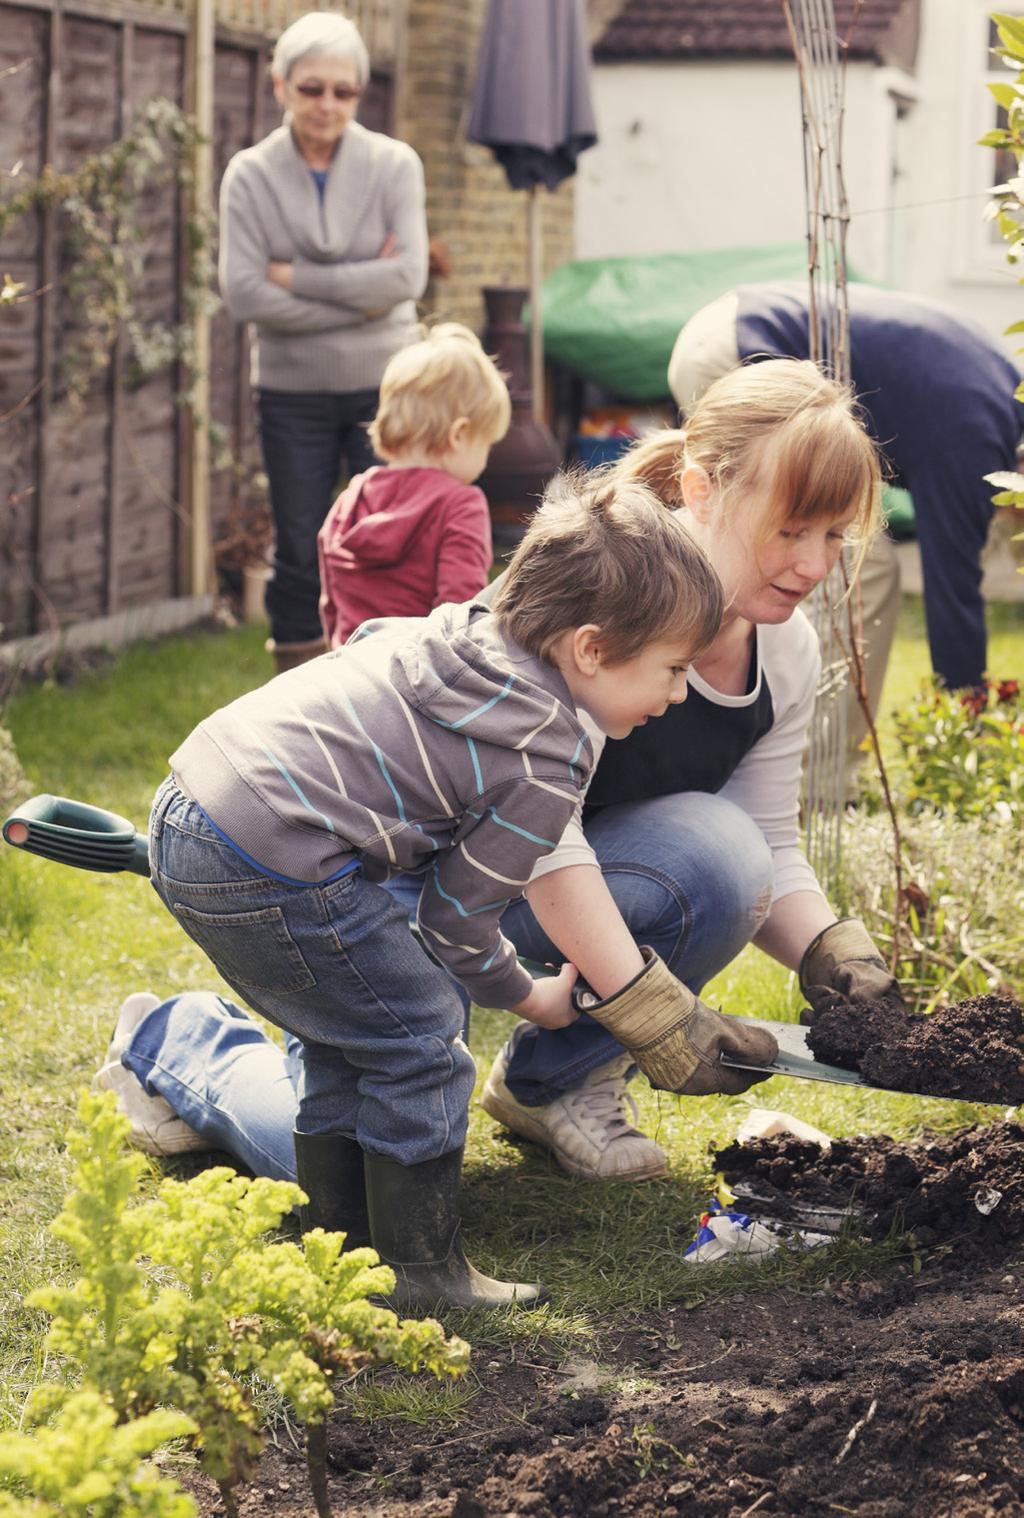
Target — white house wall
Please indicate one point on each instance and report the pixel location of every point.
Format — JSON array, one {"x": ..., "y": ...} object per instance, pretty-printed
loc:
[
  {"x": 945, "y": 249},
  {"x": 708, "y": 154}
]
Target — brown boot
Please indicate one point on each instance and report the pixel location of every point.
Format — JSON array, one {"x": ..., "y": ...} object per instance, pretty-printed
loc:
[{"x": 291, "y": 655}]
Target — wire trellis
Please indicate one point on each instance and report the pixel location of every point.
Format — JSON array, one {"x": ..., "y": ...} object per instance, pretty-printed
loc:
[{"x": 821, "y": 66}]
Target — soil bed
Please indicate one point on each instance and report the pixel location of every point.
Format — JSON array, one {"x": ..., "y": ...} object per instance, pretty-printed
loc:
[
  {"x": 895, "y": 1398},
  {"x": 973, "y": 1050}
]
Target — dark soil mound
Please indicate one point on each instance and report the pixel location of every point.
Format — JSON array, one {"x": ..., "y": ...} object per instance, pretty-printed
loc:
[
  {"x": 973, "y": 1050},
  {"x": 968, "y": 1187},
  {"x": 894, "y": 1399}
]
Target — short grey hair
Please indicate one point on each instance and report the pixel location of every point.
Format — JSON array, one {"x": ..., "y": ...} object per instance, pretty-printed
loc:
[{"x": 322, "y": 34}]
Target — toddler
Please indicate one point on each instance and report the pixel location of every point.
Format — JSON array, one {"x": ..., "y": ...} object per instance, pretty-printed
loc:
[{"x": 403, "y": 538}]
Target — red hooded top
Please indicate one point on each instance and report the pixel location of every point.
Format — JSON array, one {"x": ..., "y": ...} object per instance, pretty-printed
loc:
[{"x": 398, "y": 542}]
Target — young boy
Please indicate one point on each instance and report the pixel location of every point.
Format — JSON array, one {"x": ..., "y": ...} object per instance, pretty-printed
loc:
[
  {"x": 451, "y": 747},
  {"x": 404, "y": 538}
]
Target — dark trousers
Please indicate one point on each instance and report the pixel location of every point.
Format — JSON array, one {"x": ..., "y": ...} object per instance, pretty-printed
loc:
[
  {"x": 305, "y": 439},
  {"x": 953, "y": 506}
]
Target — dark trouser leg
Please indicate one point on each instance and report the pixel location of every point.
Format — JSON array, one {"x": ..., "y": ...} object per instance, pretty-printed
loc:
[
  {"x": 953, "y": 507},
  {"x": 304, "y": 438},
  {"x": 359, "y": 407}
]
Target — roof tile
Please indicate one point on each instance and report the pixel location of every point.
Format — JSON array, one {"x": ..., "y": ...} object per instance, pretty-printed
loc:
[{"x": 662, "y": 29}]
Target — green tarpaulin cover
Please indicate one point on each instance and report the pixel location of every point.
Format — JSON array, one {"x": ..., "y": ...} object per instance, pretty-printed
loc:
[{"x": 615, "y": 320}]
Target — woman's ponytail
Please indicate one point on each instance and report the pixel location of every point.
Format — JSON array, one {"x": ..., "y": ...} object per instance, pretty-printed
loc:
[{"x": 657, "y": 462}]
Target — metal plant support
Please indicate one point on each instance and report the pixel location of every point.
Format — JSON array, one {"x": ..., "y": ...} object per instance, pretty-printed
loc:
[{"x": 820, "y": 60}]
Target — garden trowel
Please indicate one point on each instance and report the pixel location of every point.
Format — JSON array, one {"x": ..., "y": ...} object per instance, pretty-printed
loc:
[{"x": 794, "y": 1056}]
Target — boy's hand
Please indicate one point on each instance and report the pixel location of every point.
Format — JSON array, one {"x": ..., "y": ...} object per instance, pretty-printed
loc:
[{"x": 549, "y": 1004}]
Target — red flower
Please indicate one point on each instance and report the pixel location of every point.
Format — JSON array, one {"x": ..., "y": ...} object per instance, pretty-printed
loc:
[
  {"x": 1008, "y": 690},
  {"x": 974, "y": 701}
]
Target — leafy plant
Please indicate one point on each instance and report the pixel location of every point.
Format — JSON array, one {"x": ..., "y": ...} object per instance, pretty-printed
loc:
[
  {"x": 102, "y": 200},
  {"x": 1007, "y": 208},
  {"x": 962, "y": 920},
  {"x": 182, "y": 1299},
  {"x": 963, "y": 752},
  {"x": 90, "y": 1465}
]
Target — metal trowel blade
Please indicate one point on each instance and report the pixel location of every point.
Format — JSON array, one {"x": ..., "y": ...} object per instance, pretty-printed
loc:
[{"x": 794, "y": 1057}]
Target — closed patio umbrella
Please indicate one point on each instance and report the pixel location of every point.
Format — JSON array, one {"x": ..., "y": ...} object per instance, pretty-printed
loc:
[{"x": 531, "y": 106}]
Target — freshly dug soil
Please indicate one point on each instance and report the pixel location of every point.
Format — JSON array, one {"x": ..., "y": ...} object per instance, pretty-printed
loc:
[
  {"x": 968, "y": 1187},
  {"x": 893, "y": 1398},
  {"x": 973, "y": 1050}
]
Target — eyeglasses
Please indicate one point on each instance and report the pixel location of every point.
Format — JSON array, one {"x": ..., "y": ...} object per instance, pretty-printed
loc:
[{"x": 340, "y": 91}]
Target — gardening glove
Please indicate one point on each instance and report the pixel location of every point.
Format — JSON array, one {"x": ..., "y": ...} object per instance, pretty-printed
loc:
[
  {"x": 675, "y": 1039},
  {"x": 843, "y": 961}
]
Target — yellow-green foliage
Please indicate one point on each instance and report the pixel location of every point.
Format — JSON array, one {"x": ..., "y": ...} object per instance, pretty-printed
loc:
[
  {"x": 183, "y": 1297},
  {"x": 88, "y": 1465}
]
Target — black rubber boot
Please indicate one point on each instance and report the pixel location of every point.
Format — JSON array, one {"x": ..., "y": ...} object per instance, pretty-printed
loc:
[
  {"x": 329, "y": 1169},
  {"x": 414, "y": 1222}
]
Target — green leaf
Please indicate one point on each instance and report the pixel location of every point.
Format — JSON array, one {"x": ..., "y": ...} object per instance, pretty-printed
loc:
[
  {"x": 1011, "y": 30},
  {"x": 1006, "y": 94}
]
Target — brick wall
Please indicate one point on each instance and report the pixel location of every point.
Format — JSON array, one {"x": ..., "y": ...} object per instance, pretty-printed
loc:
[{"x": 470, "y": 208}]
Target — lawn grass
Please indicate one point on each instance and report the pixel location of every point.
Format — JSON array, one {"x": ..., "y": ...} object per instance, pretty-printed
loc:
[{"x": 73, "y": 945}]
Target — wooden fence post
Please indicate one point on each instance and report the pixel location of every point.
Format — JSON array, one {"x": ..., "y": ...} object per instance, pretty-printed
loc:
[{"x": 199, "y": 102}]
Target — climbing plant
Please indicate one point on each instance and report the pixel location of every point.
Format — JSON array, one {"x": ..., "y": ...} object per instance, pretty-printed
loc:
[{"x": 103, "y": 210}]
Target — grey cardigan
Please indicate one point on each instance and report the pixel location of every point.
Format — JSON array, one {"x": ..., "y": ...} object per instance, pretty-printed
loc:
[{"x": 319, "y": 337}]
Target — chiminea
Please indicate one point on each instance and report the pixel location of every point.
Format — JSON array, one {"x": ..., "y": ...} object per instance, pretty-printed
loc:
[{"x": 521, "y": 465}]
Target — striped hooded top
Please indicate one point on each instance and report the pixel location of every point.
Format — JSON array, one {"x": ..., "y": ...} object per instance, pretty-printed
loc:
[{"x": 431, "y": 745}]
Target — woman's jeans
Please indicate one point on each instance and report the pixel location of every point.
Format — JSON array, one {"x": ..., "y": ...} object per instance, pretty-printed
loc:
[
  {"x": 305, "y": 436},
  {"x": 380, "y": 1054},
  {"x": 691, "y": 875}
]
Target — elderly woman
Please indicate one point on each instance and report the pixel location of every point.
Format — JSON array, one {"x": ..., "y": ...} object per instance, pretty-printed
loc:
[{"x": 324, "y": 250}]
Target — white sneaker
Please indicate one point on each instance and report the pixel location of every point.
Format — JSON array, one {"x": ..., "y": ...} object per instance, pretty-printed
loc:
[
  {"x": 156, "y": 1127},
  {"x": 589, "y": 1131}
]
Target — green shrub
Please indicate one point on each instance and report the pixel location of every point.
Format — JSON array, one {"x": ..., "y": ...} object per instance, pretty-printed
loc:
[
  {"x": 962, "y": 752},
  {"x": 88, "y": 1466},
  {"x": 183, "y": 1298}
]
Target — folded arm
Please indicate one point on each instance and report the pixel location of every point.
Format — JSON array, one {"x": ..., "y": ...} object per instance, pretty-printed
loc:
[
  {"x": 378, "y": 283},
  {"x": 242, "y": 270}
]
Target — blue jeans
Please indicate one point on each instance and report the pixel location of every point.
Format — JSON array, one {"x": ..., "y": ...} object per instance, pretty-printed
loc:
[
  {"x": 691, "y": 875},
  {"x": 305, "y": 436},
  {"x": 380, "y": 1053}
]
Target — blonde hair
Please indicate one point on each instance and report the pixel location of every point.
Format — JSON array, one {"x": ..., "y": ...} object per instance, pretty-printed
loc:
[
  {"x": 822, "y": 459},
  {"x": 428, "y": 386},
  {"x": 605, "y": 551}
]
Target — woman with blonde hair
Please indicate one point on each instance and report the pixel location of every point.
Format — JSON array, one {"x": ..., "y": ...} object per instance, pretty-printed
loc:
[{"x": 692, "y": 819}]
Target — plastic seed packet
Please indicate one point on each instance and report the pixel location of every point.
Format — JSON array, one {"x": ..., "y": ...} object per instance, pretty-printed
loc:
[{"x": 725, "y": 1233}]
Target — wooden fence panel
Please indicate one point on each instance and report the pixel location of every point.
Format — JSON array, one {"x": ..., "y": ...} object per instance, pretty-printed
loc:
[
  {"x": 23, "y": 50},
  {"x": 77, "y": 437},
  {"x": 148, "y": 475},
  {"x": 238, "y": 122}
]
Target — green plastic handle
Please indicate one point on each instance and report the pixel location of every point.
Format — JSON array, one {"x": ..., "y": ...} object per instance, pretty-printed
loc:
[{"x": 72, "y": 832}]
